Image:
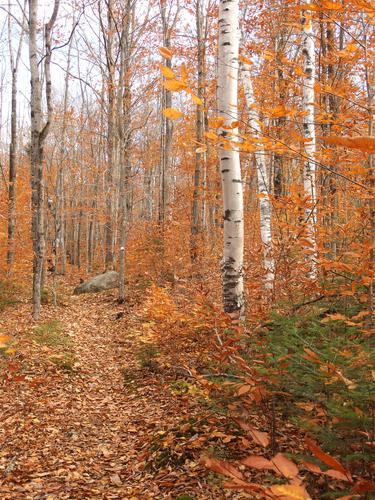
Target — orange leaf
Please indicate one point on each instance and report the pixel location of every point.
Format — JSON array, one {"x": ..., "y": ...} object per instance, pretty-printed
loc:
[
  {"x": 174, "y": 85},
  {"x": 184, "y": 73},
  {"x": 363, "y": 143},
  {"x": 257, "y": 462},
  {"x": 310, "y": 466},
  {"x": 289, "y": 492},
  {"x": 243, "y": 389},
  {"x": 167, "y": 72},
  {"x": 211, "y": 135},
  {"x": 197, "y": 100},
  {"x": 334, "y": 317},
  {"x": 245, "y": 60},
  {"x": 172, "y": 113},
  {"x": 222, "y": 467},
  {"x": 324, "y": 457},
  {"x": 336, "y": 475},
  {"x": 216, "y": 122},
  {"x": 285, "y": 466},
  {"x": 259, "y": 437},
  {"x": 167, "y": 53}
]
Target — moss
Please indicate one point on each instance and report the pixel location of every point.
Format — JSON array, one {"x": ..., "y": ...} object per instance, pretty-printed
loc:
[{"x": 51, "y": 334}]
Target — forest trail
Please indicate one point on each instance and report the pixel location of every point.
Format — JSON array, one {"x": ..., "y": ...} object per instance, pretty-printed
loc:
[{"x": 79, "y": 425}]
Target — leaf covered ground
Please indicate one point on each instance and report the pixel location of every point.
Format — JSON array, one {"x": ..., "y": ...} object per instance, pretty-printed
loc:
[{"x": 101, "y": 400}]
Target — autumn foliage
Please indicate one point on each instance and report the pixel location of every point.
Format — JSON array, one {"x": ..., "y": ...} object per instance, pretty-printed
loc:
[{"x": 276, "y": 405}]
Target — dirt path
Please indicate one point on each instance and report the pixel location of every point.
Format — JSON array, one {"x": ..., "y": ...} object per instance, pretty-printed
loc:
[{"x": 82, "y": 432}]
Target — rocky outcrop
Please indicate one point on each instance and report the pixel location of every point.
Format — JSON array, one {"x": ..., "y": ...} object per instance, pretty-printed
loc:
[{"x": 104, "y": 281}]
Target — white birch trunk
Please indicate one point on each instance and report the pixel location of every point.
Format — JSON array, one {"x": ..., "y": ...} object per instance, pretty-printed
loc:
[
  {"x": 309, "y": 169},
  {"x": 230, "y": 168},
  {"x": 262, "y": 181}
]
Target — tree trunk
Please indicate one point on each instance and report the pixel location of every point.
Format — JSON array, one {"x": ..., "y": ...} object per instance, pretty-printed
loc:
[
  {"x": 108, "y": 34},
  {"x": 309, "y": 169},
  {"x": 263, "y": 181},
  {"x": 14, "y": 63},
  {"x": 166, "y": 128},
  {"x": 198, "y": 205},
  {"x": 38, "y": 136},
  {"x": 232, "y": 268},
  {"x": 124, "y": 132}
]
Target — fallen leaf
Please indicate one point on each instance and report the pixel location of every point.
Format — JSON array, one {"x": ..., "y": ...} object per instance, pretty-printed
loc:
[
  {"x": 257, "y": 462},
  {"x": 222, "y": 467},
  {"x": 285, "y": 466}
]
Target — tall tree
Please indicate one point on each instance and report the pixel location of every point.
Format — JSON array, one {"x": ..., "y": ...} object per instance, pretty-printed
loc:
[
  {"x": 262, "y": 179},
  {"x": 198, "y": 205},
  {"x": 309, "y": 168},
  {"x": 230, "y": 168},
  {"x": 124, "y": 133},
  {"x": 14, "y": 64},
  {"x": 39, "y": 132}
]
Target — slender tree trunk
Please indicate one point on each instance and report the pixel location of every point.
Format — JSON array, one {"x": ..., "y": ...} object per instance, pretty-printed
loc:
[
  {"x": 198, "y": 205},
  {"x": 108, "y": 35},
  {"x": 124, "y": 132},
  {"x": 309, "y": 169},
  {"x": 263, "y": 181},
  {"x": 38, "y": 136},
  {"x": 166, "y": 128},
  {"x": 370, "y": 87},
  {"x": 60, "y": 237},
  {"x": 14, "y": 63},
  {"x": 232, "y": 268}
]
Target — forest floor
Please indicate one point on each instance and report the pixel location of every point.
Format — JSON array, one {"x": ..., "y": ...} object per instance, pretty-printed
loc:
[
  {"x": 81, "y": 414},
  {"x": 109, "y": 401}
]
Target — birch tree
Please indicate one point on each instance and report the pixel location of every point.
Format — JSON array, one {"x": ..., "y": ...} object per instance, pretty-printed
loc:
[
  {"x": 39, "y": 132},
  {"x": 309, "y": 169},
  {"x": 230, "y": 168},
  {"x": 262, "y": 180}
]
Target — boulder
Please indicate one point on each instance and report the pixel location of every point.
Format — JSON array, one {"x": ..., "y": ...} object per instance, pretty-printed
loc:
[{"x": 99, "y": 283}]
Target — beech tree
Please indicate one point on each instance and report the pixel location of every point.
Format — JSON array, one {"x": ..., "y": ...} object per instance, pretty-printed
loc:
[{"x": 230, "y": 168}]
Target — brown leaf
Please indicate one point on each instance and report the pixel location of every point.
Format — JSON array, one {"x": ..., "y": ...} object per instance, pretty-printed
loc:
[
  {"x": 261, "y": 438},
  {"x": 257, "y": 462},
  {"x": 115, "y": 479},
  {"x": 335, "y": 474},
  {"x": 363, "y": 486},
  {"x": 222, "y": 467},
  {"x": 286, "y": 467},
  {"x": 243, "y": 485},
  {"x": 310, "y": 466},
  {"x": 324, "y": 457},
  {"x": 243, "y": 389}
]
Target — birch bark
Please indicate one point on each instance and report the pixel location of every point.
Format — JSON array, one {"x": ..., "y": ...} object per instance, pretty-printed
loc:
[
  {"x": 230, "y": 168},
  {"x": 309, "y": 169},
  {"x": 262, "y": 181}
]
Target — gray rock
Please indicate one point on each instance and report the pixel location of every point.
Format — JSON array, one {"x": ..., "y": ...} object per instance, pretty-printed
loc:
[{"x": 99, "y": 283}]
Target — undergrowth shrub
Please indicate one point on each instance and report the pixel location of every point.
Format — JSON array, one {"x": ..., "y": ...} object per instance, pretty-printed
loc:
[
  {"x": 51, "y": 334},
  {"x": 9, "y": 294},
  {"x": 324, "y": 364}
]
